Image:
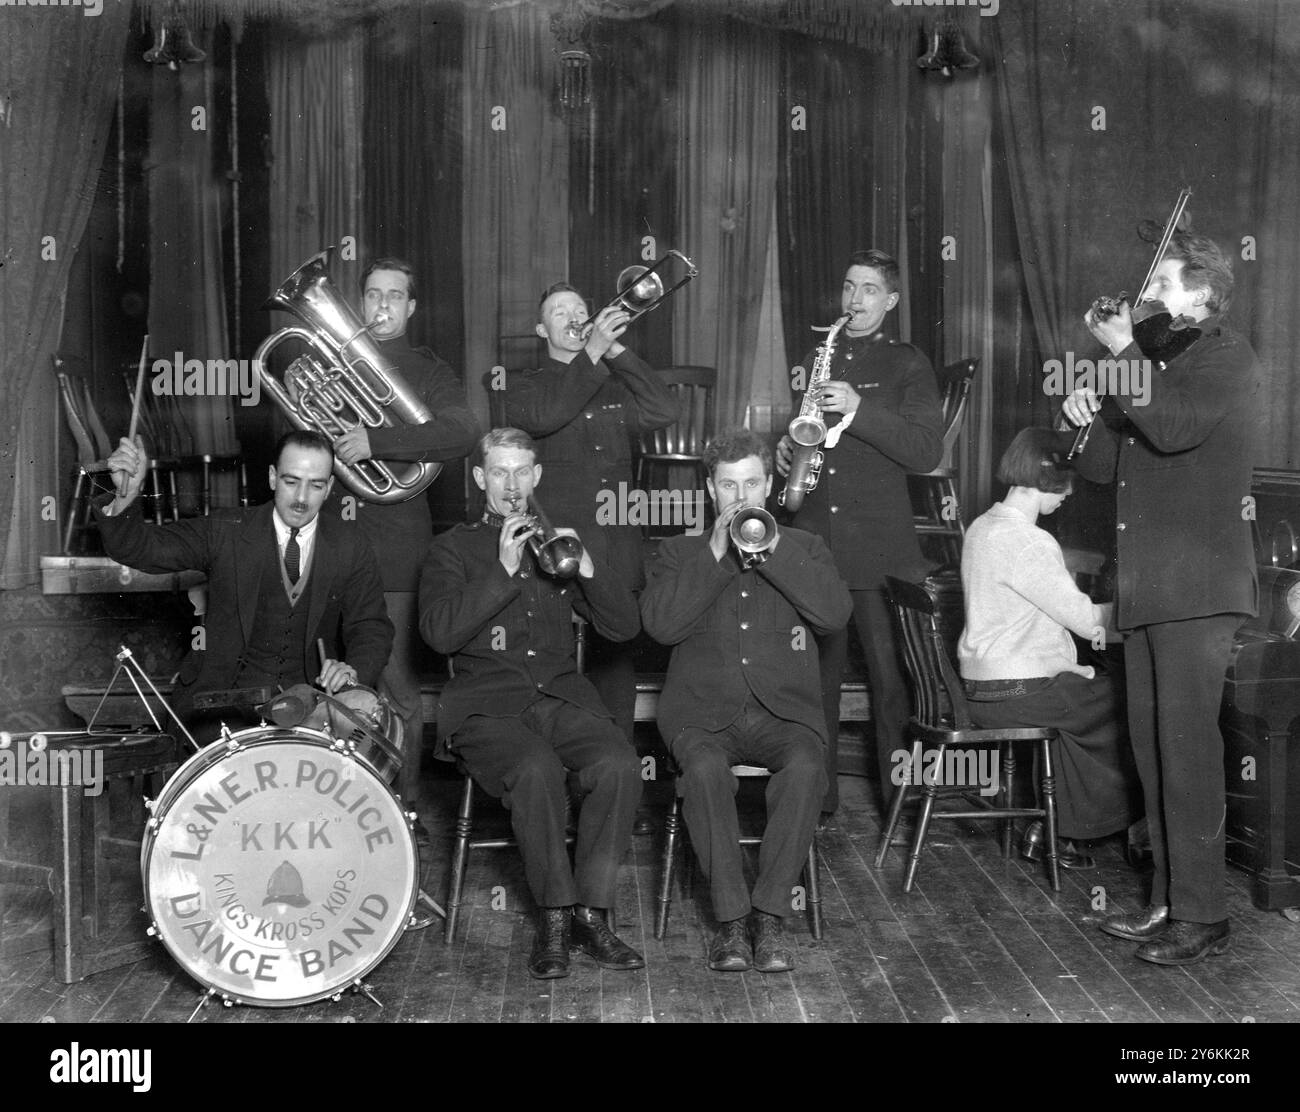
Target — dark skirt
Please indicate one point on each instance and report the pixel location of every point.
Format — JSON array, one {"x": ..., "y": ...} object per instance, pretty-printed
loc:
[{"x": 1097, "y": 787}]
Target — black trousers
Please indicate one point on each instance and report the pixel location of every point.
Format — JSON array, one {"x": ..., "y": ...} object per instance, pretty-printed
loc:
[
  {"x": 890, "y": 702},
  {"x": 611, "y": 667},
  {"x": 794, "y": 798},
  {"x": 1175, "y": 684},
  {"x": 524, "y": 762},
  {"x": 1097, "y": 790}
]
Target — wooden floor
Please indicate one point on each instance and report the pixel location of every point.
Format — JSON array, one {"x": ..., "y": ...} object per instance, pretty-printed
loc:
[{"x": 980, "y": 939}]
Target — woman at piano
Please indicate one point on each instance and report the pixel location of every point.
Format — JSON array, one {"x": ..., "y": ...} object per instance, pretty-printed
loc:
[{"x": 1020, "y": 664}]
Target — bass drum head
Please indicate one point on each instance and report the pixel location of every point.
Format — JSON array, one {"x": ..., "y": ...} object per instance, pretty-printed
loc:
[{"x": 279, "y": 871}]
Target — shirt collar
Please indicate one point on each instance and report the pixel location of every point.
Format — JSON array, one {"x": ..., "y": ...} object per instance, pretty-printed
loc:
[{"x": 305, "y": 534}]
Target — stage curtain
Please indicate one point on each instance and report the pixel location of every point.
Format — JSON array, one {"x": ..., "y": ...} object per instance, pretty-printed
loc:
[
  {"x": 1109, "y": 108},
  {"x": 515, "y": 188},
  {"x": 846, "y": 178},
  {"x": 60, "y": 83},
  {"x": 317, "y": 172},
  {"x": 727, "y": 169},
  {"x": 412, "y": 147},
  {"x": 187, "y": 308}
]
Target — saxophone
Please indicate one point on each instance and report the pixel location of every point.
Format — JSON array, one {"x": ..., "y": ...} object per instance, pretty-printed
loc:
[{"x": 808, "y": 429}]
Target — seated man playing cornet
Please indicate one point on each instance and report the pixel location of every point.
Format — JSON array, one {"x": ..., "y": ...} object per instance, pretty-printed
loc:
[
  {"x": 518, "y": 714},
  {"x": 740, "y": 609}
]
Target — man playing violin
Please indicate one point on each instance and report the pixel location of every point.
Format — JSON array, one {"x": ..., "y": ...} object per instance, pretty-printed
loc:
[
  {"x": 742, "y": 689},
  {"x": 1186, "y": 580},
  {"x": 518, "y": 714}
]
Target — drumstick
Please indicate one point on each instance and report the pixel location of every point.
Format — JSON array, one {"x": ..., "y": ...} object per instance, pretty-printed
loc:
[
  {"x": 320, "y": 648},
  {"x": 139, "y": 389}
]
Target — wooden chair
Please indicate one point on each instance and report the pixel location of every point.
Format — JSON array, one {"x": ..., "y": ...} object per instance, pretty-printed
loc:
[
  {"x": 673, "y": 827},
  {"x": 941, "y": 723},
  {"x": 465, "y": 839},
  {"x": 680, "y": 444},
  {"x": 937, "y": 489}
]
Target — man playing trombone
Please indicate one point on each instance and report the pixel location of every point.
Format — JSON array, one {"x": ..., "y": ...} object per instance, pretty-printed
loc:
[
  {"x": 741, "y": 607},
  {"x": 518, "y": 714},
  {"x": 585, "y": 405}
]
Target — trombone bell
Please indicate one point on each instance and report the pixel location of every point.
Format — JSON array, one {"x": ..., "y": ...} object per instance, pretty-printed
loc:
[{"x": 640, "y": 288}]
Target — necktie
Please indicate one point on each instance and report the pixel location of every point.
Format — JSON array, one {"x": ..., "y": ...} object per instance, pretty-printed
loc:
[{"x": 291, "y": 556}]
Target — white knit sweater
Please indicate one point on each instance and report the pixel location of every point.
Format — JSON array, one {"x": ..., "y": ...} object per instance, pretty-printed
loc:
[{"x": 1020, "y": 601}]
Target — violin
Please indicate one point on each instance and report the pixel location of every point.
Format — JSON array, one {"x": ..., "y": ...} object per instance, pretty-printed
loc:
[{"x": 1159, "y": 335}]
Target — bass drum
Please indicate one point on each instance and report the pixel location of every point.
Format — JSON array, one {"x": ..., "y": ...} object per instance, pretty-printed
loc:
[{"x": 278, "y": 867}]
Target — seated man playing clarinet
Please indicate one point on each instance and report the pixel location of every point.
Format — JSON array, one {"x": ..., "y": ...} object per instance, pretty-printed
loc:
[
  {"x": 743, "y": 688},
  {"x": 281, "y": 578},
  {"x": 517, "y": 712}
]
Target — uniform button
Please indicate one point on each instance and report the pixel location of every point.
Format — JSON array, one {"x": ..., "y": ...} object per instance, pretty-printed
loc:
[
  {"x": 830, "y": 471},
  {"x": 597, "y": 447},
  {"x": 1123, "y": 483},
  {"x": 532, "y": 652},
  {"x": 1121, "y": 527},
  {"x": 539, "y": 687},
  {"x": 744, "y": 660},
  {"x": 1131, "y": 440},
  {"x": 744, "y": 625},
  {"x": 529, "y": 613},
  {"x": 588, "y": 416},
  {"x": 744, "y": 594},
  {"x": 835, "y": 509}
]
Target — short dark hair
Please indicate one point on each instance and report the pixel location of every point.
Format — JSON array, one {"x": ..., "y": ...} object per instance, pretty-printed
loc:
[
  {"x": 1205, "y": 266},
  {"x": 551, "y": 290},
  {"x": 391, "y": 262},
  {"x": 504, "y": 437},
  {"x": 303, "y": 438},
  {"x": 1037, "y": 460},
  {"x": 878, "y": 260},
  {"x": 733, "y": 445}
]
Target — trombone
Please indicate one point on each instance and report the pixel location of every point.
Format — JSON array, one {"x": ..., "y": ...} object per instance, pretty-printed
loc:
[{"x": 640, "y": 289}]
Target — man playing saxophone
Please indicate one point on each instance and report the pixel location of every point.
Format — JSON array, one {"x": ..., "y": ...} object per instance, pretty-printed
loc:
[{"x": 884, "y": 419}]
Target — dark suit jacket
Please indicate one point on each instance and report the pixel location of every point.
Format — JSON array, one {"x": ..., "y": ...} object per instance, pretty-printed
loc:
[
  {"x": 734, "y": 632},
  {"x": 1182, "y": 464},
  {"x": 861, "y": 506},
  {"x": 511, "y": 636},
  {"x": 585, "y": 418},
  {"x": 235, "y": 549}
]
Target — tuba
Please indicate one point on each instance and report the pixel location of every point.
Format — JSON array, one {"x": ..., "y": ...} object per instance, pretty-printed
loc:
[
  {"x": 347, "y": 382},
  {"x": 808, "y": 429},
  {"x": 753, "y": 532}
]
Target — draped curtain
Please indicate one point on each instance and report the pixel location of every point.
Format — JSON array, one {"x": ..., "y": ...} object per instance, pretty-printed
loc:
[
  {"x": 515, "y": 186},
  {"x": 314, "y": 89},
  {"x": 1103, "y": 128},
  {"x": 187, "y": 308},
  {"x": 844, "y": 177},
  {"x": 727, "y": 171},
  {"x": 58, "y": 79}
]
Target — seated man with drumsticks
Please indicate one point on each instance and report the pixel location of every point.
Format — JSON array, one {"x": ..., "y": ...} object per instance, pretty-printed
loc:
[
  {"x": 280, "y": 578},
  {"x": 742, "y": 618},
  {"x": 519, "y": 715}
]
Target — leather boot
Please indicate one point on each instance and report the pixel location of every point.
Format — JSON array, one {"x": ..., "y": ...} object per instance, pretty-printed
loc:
[
  {"x": 591, "y": 935},
  {"x": 1141, "y": 926},
  {"x": 730, "y": 951},
  {"x": 1184, "y": 943},
  {"x": 550, "y": 956},
  {"x": 771, "y": 952}
]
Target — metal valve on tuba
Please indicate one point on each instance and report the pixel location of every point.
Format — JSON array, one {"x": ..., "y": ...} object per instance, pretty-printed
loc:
[
  {"x": 557, "y": 554},
  {"x": 753, "y": 532},
  {"x": 351, "y": 383},
  {"x": 640, "y": 289}
]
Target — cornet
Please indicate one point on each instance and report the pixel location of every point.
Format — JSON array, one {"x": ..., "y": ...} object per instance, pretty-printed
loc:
[
  {"x": 640, "y": 289},
  {"x": 557, "y": 554},
  {"x": 753, "y": 532}
]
